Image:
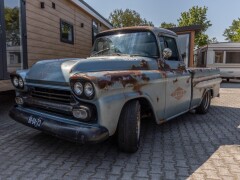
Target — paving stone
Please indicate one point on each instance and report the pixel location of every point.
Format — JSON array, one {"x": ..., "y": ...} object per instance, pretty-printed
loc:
[
  {"x": 156, "y": 176},
  {"x": 113, "y": 177},
  {"x": 170, "y": 174},
  {"x": 142, "y": 173},
  {"x": 116, "y": 170},
  {"x": 127, "y": 175}
]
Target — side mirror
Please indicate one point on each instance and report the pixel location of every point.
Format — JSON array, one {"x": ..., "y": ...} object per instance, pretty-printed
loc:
[{"x": 167, "y": 53}]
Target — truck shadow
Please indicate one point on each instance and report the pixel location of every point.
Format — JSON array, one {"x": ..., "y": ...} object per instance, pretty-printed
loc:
[
  {"x": 181, "y": 146},
  {"x": 232, "y": 84}
]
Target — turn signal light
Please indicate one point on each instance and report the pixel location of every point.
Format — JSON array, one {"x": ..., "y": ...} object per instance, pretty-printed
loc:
[{"x": 19, "y": 100}]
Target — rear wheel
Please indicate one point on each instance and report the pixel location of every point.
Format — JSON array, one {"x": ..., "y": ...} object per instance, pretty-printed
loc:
[
  {"x": 129, "y": 127},
  {"x": 205, "y": 104}
]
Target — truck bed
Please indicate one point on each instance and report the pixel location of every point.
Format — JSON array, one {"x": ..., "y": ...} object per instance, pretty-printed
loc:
[{"x": 203, "y": 79}]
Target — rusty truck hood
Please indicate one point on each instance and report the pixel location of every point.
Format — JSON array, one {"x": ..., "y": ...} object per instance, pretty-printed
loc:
[{"x": 59, "y": 71}]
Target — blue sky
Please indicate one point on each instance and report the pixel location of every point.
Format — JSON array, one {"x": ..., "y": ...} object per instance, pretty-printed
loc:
[{"x": 220, "y": 12}]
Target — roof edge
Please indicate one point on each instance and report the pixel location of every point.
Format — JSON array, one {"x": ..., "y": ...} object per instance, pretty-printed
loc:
[
  {"x": 195, "y": 28},
  {"x": 92, "y": 12},
  {"x": 155, "y": 30}
]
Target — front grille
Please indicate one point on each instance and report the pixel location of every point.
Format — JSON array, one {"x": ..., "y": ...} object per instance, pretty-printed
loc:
[{"x": 62, "y": 96}]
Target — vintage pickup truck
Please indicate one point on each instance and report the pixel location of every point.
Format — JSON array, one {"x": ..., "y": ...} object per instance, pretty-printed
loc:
[{"x": 132, "y": 72}]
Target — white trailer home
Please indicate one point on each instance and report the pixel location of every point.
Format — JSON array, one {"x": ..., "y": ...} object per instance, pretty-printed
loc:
[{"x": 225, "y": 56}]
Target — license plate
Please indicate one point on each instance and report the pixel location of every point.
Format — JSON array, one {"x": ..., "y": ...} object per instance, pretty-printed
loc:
[{"x": 35, "y": 121}]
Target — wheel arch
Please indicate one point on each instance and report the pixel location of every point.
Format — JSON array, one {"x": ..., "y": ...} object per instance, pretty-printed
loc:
[
  {"x": 146, "y": 106},
  {"x": 206, "y": 90}
]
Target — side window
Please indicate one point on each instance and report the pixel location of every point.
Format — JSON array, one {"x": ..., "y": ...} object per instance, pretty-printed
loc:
[
  {"x": 162, "y": 43},
  {"x": 95, "y": 30},
  {"x": 168, "y": 42},
  {"x": 66, "y": 32}
]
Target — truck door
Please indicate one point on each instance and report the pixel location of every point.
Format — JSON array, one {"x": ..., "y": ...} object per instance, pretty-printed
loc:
[{"x": 178, "y": 80}]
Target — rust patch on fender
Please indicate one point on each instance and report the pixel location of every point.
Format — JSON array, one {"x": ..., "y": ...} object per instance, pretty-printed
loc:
[
  {"x": 80, "y": 75},
  {"x": 145, "y": 78},
  {"x": 125, "y": 78},
  {"x": 163, "y": 66},
  {"x": 134, "y": 77},
  {"x": 104, "y": 83},
  {"x": 143, "y": 66},
  {"x": 178, "y": 93}
]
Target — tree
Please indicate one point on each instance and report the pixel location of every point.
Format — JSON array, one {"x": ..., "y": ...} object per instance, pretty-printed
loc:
[
  {"x": 233, "y": 32},
  {"x": 196, "y": 16},
  {"x": 120, "y": 18},
  {"x": 213, "y": 40},
  {"x": 12, "y": 26},
  {"x": 167, "y": 25}
]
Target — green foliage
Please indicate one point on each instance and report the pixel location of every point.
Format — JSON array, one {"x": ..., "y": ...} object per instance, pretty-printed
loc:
[
  {"x": 201, "y": 39},
  {"x": 12, "y": 25},
  {"x": 167, "y": 25},
  {"x": 213, "y": 40},
  {"x": 233, "y": 32},
  {"x": 120, "y": 18},
  {"x": 196, "y": 16}
]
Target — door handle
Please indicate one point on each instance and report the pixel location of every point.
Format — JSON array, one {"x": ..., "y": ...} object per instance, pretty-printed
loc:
[{"x": 176, "y": 80}]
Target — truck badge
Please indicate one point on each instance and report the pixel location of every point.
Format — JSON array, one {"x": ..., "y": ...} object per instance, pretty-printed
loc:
[{"x": 178, "y": 93}]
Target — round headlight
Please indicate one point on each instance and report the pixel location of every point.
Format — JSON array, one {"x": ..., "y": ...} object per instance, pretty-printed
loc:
[
  {"x": 78, "y": 88},
  {"x": 15, "y": 81},
  {"x": 20, "y": 82},
  {"x": 88, "y": 89}
]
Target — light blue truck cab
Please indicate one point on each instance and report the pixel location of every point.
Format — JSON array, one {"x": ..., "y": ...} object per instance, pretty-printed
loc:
[{"x": 132, "y": 72}]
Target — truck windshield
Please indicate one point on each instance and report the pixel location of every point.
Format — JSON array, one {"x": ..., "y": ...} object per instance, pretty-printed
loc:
[{"x": 133, "y": 44}]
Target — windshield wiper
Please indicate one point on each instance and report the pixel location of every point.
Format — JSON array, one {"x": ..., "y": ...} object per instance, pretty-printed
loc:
[{"x": 107, "y": 49}]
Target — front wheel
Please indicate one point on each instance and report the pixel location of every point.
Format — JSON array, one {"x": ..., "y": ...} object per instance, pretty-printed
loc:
[
  {"x": 129, "y": 127},
  {"x": 205, "y": 104}
]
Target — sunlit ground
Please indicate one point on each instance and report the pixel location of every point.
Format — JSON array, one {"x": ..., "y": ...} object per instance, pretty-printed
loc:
[{"x": 223, "y": 163}]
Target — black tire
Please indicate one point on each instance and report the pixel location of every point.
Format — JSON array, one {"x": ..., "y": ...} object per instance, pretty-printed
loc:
[
  {"x": 205, "y": 104},
  {"x": 129, "y": 127}
]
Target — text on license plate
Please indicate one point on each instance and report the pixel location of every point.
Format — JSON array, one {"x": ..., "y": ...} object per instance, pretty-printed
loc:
[{"x": 36, "y": 122}]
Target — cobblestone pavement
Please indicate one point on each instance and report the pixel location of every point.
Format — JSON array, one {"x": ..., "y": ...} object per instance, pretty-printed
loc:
[{"x": 191, "y": 146}]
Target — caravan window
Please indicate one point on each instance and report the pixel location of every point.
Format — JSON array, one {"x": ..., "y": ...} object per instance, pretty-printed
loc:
[
  {"x": 233, "y": 57},
  {"x": 219, "y": 56}
]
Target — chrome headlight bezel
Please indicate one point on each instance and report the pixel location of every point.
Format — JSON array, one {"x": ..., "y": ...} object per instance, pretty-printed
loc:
[
  {"x": 86, "y": 85},
  {"x": 78, "y": 88},
  {"x": 88, "y": 89},
  {"x": 20, "y": 83},
  {"x": 17, "y": 82}
]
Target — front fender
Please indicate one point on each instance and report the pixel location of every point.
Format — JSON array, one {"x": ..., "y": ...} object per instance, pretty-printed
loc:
[{"x": 115, "y": 88}]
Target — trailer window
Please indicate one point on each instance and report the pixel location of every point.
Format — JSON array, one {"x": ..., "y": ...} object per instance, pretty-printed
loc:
[
  {"x": 233, "y": 57},
  {"x": 219, "y": 56}
]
